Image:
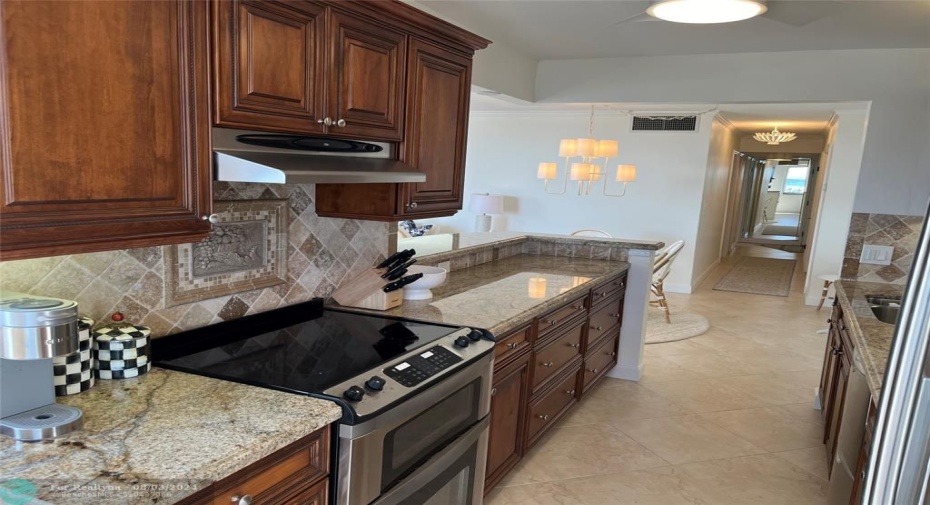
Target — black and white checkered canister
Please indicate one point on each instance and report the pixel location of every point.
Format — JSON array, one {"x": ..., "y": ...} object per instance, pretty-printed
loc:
[
  {"x": 121, "y": 351},
  {"x": 73, "y": 372}
]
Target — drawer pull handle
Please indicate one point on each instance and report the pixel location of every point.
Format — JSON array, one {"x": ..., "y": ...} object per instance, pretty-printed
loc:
[
  {"x": 243, "y": 500},
  {"x": 548, "y": 365},
  {"x": 829, "y": 321},
  {"x": 544, "y": 417},
  {"x": 837, "y": 352},
  {"x": 593, "y": 370},
  {"x": 615, "y": 316},
  {"x": 512, "y": 345},
  {"x": 574, "y": 345},
  {"x": 550, "y": 321},
  {"x": 570, "y": 391},
  {"x": 602, "y": 295},
  {"x": 493, "y": 391},
  {"x": 578, "y": 307},
  {"x": 596, "y": 328},
  {"x": 612, "y": 354}
]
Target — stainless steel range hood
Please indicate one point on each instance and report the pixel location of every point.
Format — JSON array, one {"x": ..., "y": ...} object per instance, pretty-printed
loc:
[{"x": 235, "y": 161}]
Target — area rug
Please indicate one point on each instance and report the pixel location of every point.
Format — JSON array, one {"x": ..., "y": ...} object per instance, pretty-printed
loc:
[
  {"x": 759, "y": 276},
  {"x": 684, "y": 325}
]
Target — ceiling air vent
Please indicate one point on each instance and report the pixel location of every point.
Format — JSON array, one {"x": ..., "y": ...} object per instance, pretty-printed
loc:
[{"x": 665, "y": 123}]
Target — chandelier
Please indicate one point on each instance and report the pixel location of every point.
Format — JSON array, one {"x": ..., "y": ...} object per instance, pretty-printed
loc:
[
  {"x": 587, "y": 161},
  {"x": 774, "y": 137}
]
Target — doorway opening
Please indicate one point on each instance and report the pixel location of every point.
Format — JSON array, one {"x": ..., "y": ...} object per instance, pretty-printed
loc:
[{"x": 775, "y": 198}]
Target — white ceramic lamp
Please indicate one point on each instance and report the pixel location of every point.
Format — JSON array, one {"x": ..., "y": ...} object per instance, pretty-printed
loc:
[{"x": 484, "y": 204}]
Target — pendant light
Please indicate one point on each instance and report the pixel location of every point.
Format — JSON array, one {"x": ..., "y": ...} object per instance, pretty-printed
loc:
[{"x": 706, "y": 11}]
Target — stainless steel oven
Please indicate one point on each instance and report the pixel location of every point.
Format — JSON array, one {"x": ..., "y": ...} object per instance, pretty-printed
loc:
[{"x": 431, "y": 449}]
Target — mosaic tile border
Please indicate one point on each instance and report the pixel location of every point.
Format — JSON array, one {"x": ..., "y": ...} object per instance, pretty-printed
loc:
[{"x": 184, "y": 286}]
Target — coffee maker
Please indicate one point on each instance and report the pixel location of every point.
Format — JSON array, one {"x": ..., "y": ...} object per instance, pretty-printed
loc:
[{"x": 33, "y": 330}]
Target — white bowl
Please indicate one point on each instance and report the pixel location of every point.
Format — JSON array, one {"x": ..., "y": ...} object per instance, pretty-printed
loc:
[{"x": 420, "y": 288}]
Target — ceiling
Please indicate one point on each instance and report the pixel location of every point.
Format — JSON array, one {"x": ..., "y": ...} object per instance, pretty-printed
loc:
[{"x": 565, "y": 29}]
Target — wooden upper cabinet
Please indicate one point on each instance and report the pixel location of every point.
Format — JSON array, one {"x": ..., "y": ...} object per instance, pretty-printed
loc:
[
  {"x": 269, "y": 65},
  {"x": 304, "y": 67},
  {"x": 104, "y": 125},
  {"x": 436, "y": 130},
  {"x": 366, "y": 79}
]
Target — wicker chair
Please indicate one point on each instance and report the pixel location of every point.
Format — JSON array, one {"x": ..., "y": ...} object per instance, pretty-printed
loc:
[{"x": 663, "y": 266}]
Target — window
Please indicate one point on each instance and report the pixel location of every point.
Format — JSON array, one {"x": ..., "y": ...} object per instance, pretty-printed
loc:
[{"x": 796, "y": 181}]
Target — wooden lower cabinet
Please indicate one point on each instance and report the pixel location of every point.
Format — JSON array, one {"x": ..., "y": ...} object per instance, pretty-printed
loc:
[
  {"x": 552, "y": 403},
  {"x": 834, "y": 379},
  {"x": 542, "y": 370},
  {"x": 855, "y": 497},
  {"x": 509, "y": 393},
  {"x": 296, "y": 474}
]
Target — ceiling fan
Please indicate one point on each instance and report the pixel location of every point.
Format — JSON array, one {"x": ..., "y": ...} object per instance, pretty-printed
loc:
[{"x": 790, "y": 12}]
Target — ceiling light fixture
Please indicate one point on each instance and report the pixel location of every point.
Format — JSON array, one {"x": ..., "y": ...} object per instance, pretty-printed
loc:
[
  {"x": 589, "y": 170},
  {"x": 706, "y": 11},
  {"x": 774, "y": 137}
]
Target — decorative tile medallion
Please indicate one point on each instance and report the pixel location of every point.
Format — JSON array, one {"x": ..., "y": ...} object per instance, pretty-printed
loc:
[
  {"x": 900, "y": 232},
  {"x": 246, "y": 250}
]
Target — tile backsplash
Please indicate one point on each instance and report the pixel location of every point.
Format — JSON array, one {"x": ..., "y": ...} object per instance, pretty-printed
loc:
[
  {"x": 321, "y": 252},
  {"x": 900, "y": 232}
]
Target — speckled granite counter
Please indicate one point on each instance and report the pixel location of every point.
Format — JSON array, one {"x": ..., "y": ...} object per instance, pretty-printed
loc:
[
  {"x": 496, "y": 295},
  {"x": 161, "y": 437},
  {"x": 872, "y": 338}
]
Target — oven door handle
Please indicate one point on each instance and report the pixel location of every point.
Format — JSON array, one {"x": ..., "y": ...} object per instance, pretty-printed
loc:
[{"x": 439, "y": 462}]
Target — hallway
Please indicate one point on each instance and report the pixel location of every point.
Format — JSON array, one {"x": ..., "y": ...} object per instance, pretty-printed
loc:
[{"x": 724, "y": 418}]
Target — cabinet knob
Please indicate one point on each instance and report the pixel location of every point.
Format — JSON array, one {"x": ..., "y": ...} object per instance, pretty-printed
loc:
[
  {"x": 544, "y": 417},
  {"x": 212, "y": 218},
  {"x": 325, "y": 121},
  {"x": 570, "y": 391},
  {"x": 612, "y": 354},
  {"x": 493, "y": 391},
  {"x": 241, "y": 500},
  {"x": 602, "y": 295},
  {"x": 578, "y": 307},
  {"x": 341, "y": 123},
  {"x": 550, "y": 321},
  {"x": 412, "y": 205},
  {"x": 548, "y": 365},
  {"x": 615, "y": 316},
  {"x": 512, "y": 345},
  {"x": 593, "y": 370},
  {"x": 596, "y": 328},
  {"x": 574, "y": 345},
  {"x": 837, "y": 352}
]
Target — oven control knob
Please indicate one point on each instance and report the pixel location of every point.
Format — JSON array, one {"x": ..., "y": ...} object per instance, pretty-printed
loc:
[
  {"x": 475, "y": 335},
  {"x": 354, "y": 394},
  {"x": 375, "y": 383},
  {"x": 462, "y": 342}
]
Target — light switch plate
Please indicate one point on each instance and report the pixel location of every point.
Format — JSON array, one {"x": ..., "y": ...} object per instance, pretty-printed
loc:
[{"x": 876, "y": 254}]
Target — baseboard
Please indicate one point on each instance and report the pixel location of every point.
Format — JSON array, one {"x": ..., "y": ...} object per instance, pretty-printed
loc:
[
  {"x": 706, "y": 274},
  {"x": 678, "y": 288},
  {"x": 626, "y": 372}
]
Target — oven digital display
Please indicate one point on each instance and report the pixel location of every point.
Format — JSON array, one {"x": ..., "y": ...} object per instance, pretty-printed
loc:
[
  {"x": 401, "y": 367},
  {"x": 419, "y": 368}
]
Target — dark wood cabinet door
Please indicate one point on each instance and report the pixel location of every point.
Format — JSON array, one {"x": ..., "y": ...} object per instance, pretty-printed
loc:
[
  {"x": 366, "y": 79},
  {"x": 437, "y": 122},
  {"x": 836, "y": 408},
  {"x": 830, "y": 374},
  {"x": 104, "y": 125},
  {"x": 508, "y": 405},
  {"x": 269, "y": 65}
]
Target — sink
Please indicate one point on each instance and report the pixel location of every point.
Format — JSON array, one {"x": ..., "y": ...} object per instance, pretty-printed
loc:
[{"x": 885, "y": 307}]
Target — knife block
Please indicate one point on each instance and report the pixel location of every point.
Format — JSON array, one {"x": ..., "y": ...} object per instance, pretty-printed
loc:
[{"x": 379, "y": 300}]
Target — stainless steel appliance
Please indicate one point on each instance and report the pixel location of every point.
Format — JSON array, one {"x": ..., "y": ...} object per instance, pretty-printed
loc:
[
  {"x": 415, "y": 396},
  {"x": 248, "y": 156},
  {"x": 898, "y": 471},
  {"x": 33, "y": 330}
]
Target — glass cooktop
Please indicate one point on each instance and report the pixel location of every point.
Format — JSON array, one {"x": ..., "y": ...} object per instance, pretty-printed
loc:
[{"x": 302, "y": 348}]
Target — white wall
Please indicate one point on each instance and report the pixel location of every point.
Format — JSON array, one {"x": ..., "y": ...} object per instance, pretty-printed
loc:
[
  {"x": 664, "y": 203},
  {"x": 709, "y": 237},
  {"x": 789, "y": 203},
  {"x": 828, "y": 240},
  {"x": 895, "y": 175}
]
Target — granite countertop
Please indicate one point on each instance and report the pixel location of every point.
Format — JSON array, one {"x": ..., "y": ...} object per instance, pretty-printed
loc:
[
  {"x": 496, "y": 295},
  {"x": 171, "y": 432},
  {"x": 871, "y": 337}
]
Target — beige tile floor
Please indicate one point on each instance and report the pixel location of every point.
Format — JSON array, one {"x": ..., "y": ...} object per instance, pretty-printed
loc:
[{"x": 725, "y": 418}]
